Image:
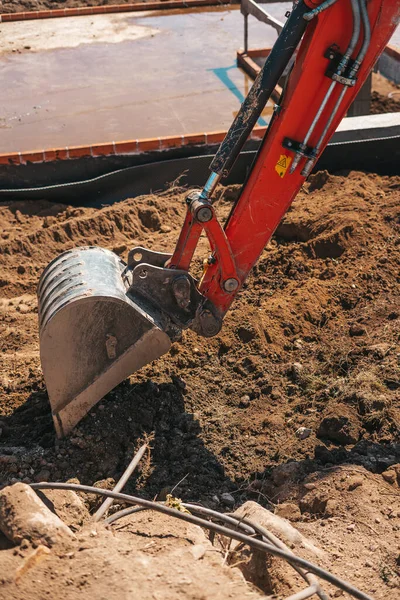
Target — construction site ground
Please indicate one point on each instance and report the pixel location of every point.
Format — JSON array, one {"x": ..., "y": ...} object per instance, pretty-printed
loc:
[{"x": 295, "y": 404}]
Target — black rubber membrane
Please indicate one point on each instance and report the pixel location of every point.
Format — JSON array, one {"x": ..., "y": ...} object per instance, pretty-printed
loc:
[{"x": 95, "y": 181}]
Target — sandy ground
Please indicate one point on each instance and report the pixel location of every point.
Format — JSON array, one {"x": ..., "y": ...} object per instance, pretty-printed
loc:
[
  {"x": 312, "y": 342},
  {"x": 150, "y": 556},
  {"x": 70, "y": 33}
]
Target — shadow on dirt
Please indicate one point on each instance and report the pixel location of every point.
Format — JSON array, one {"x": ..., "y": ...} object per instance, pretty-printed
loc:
[
  {"x": 104, "y": 442},
  {"x": 39, "y": 208},
  {"x": 102, "y": 445}
]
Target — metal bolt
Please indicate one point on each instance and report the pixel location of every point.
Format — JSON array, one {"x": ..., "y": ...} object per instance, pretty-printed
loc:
[
  {"x": 231, "y": 284},
  {"x": 204, "y": 214},
  {"x": 181, "y": 289},
  {"x": 209, "y": 324}
]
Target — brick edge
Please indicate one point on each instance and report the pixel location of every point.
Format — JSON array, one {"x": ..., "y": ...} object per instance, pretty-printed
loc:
[
  {"x": 107, "y": 9},
  {"x": 119, "y": 148}
]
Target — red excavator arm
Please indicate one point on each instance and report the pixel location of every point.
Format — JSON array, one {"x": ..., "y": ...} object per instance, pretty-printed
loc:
[
  {"x": 316, "y": 98},
  {"x": 102, "y": 319}
]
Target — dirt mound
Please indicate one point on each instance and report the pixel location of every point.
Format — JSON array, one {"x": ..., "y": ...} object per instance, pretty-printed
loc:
[
  {"x": 311, "y": 341},
  {"x": 384, "y": 104},
  {"x": 303, "y": 376},
  {"x": 37, "y": 231},
  {"x": 385, "y": 96},
  {"x": 148, "y": 557}
]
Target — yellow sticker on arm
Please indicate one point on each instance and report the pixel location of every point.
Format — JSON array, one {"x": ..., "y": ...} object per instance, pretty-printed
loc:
[{"x": 283, "y": 164}]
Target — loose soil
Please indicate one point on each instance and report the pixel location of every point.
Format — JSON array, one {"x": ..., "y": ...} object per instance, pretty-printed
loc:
[
  {"x": 148, "y": 557},
  {"x": 385, "y": 96},
  {"x": 312, "y": 342}
]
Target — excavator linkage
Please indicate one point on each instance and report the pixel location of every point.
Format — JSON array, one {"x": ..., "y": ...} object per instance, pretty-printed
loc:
[{"x": 101, "y": 319}]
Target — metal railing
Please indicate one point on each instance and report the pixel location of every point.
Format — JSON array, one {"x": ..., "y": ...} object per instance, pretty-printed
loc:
[{"x": 250, "y": 7}]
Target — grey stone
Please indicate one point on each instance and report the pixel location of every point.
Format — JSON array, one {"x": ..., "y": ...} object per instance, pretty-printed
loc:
[
  {"x": 303, "y": 433},
  {"x": 227, "y": 499}
]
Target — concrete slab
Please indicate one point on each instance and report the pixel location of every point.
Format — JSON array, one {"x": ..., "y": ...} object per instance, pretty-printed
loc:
[
  {"x": 368, "y": 127},
  {"x": 86, "y": 80}
]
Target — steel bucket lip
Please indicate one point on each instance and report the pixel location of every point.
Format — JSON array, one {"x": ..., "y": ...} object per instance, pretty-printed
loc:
[
  {"x": 84, "y": 306},
  {"x": 66, "y": 415},
  {"x": 154, "y": 327},
  {"x": 69, "y": 404}
]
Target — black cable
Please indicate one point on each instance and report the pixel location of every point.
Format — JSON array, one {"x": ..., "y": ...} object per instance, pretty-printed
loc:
[
  {"x": 240, "y": 537},
  {"x": 246, "y": 525}
]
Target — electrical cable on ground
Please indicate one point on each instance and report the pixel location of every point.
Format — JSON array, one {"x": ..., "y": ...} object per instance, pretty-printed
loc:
[
  {"x": 235, "y": 521},
  {"x": 236, "y": 535}
]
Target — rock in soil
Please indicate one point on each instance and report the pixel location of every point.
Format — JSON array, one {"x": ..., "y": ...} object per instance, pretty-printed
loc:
[
  {"x": 67, "y": 506},
  {"x": 227, "y": 500},
  {"x": 146, "y": 556},
  {"x": 268, "y": 572},
  {"x": 23, "y": 516},
  {"x": 339, "y": 428},
  {"x": 303, "y": 433},
  {"x": 278, "y": 526},
  {"x": 288, "y": 510}
]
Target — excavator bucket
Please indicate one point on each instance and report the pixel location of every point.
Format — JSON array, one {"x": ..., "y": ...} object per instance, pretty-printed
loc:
[{"x": 92, "y": 334}]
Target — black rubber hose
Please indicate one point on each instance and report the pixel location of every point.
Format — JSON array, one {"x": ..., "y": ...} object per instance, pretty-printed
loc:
[
  {"x": 236, "y": 535},
  {"x": 354, "y": 38},
  {"x": 261, "y": 90},
  {"x": 367, "y": 38},
  {"x": 237, "y": 522}
]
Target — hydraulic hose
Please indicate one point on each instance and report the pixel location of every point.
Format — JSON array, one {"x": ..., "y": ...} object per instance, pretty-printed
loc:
[
  {"x": 340, "y": 69},
  {"x": 316, "y": 11},
  {"x": 261, "y": 90},
  {"x": 362, "y": 8},
  {"x": 367, "y": 37},
  {"x": 236, "y": 535},
  {"x": 240, "y": 523},
  {"x": 355, "y": 6}
]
